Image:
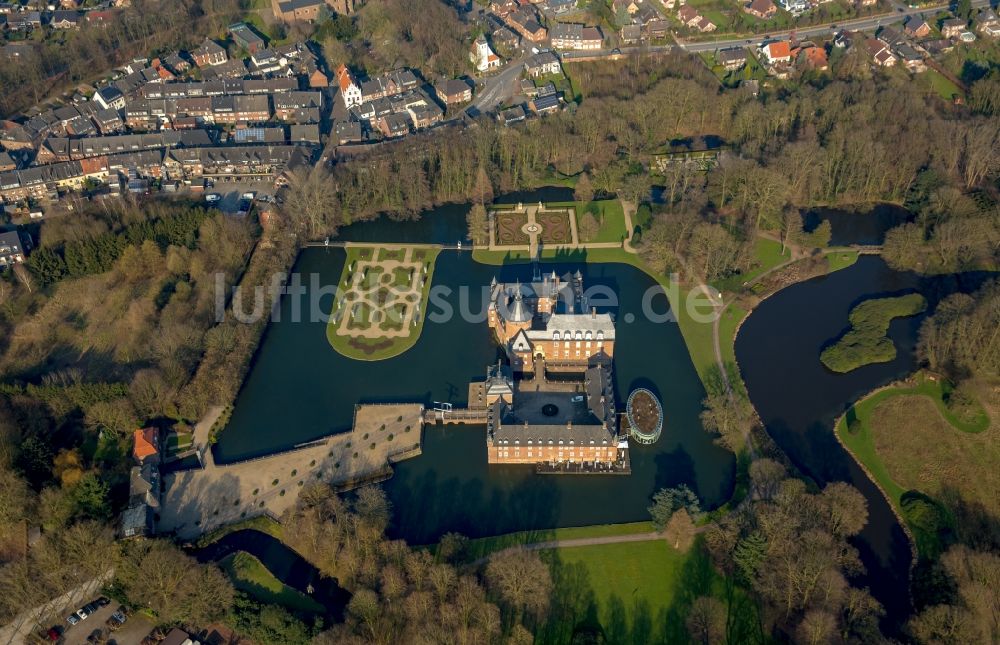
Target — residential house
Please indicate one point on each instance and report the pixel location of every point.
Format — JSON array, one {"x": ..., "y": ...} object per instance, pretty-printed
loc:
[
  {"x": 318, "y": 79},
  {"x": 345, "y": 132},
  {"x": 763, "y": 9},
  {"x": 298, "y": 107},
  {"x": 66, "y": 19},
  {"x": 482, "y": 57},
  {"x": 99, "y": 18},
  {"x": 241, "y": 108},
  {"x": 777, "y": 51},
  {"x": 108, "y": 121},
  {"x": 390, "y": 84},
  {"x": 987, "y": 23},
  {"x": 812, "y": 57},
  {"x": 24, "y": 21},
  {"x": 137, "y": 519},
  {"x": 13, "y": 249},
  {"x": 309, "y": 10},
  {"x": 512, "y": 115},
  {"x": 732, "y": 59},
  {"x": 177, "y": 63},
  {"x": 880, "y": 53},
  {"x": 110, "y": 97},
  {"x": 7, "y": 162},
  {"x": 304, "y": 133},
  {"x": 546, "y": 104},
  {"x": 14, "y": 136},
  {"x": 953, "y": 27},
  {"x": 575, "y": 36},
  {"x": 209, "y": 53},
  {"x": 146, "y": 445},
  {"x": 656, "y": 29},
  {"x": 938, "y": 46},
  {"x": 891, "y": 36},
  {"x": 526, "y": 22},
  {"x": 394, "y": 125},
  {"x": 631, "y": 34},
  {"x": 558, "y": 7},
  {"x": 916, "y": 27},
  {"x": 256, "y": 135},
  {"x": 542, "y": 64},
  {"x": 350, "y": 91},
  {"x": 246, "y": 38},
  {"x": 232, "y": 69},
  {"x": 266, "y": 61},
  {"x": 453, "y": 91},
  {"x": 910, "y": 57}
]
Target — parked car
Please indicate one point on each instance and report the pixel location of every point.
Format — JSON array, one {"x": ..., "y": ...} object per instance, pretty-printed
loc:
[
  {"x": 82, "y": 613},
  {"x": 211, "y": 198},
  {"x": 102, "y": 602},
  {"x": 73, "y": 619},
  {"x": 577, "y": 399}
]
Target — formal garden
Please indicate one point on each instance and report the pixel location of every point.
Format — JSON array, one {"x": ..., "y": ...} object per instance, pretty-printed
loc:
[{"x": 382, "y": 295}]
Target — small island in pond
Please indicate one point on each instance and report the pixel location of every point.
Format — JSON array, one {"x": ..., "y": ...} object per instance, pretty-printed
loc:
[{"x": 866, "y": 342}]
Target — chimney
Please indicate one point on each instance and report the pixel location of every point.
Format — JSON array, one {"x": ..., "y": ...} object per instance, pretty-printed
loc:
[{"x": 593, "y": 313}]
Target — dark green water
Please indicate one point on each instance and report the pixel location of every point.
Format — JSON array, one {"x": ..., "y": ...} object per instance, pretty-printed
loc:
[{"x": 300, "y": 389}]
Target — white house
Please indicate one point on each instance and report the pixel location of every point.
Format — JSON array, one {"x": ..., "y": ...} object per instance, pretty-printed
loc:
[{"x": 350, "y": 92}]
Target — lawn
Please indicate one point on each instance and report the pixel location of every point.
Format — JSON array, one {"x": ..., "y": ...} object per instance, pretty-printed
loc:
[
  {"x": 481, "y": 547},
  {"x": 639, "y": 592},
  {"x": 841, "y": 260},
  {"x": 376, "y": 348},
  {"x": 767, "y": 255},
  {"x": 908, "y": 439},
  {"x": 941, "y": 85},
  {"x": 612, "y": 221},
  {"x": 248, "y": 574}
]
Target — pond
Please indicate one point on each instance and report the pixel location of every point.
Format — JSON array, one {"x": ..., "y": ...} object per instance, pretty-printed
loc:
[
  {"x": 799, "y": 399},
  {"x": 299, "y": 389},
  {"x": 857, "y": 226},
  {"x": 284, "y": 564}
]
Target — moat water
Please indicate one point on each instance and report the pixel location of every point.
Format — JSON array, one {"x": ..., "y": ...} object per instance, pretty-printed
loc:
[{"x": 300, "y": 389}]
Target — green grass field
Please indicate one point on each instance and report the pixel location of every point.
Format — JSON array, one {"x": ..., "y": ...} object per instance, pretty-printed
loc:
[
  {"x": 482, "y": 547},
  {"x": 941, "y": 85},
  {"x": 767, "y": 255},
  {"x": 612, "y": 221},
  {"x": 939, "y": 445},
  {"x": 248, "y": 574},
  {"x": 841, "y": 260},
  {"x": 638, "y": 592}
]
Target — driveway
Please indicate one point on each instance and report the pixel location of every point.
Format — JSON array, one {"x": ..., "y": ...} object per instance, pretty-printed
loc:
[{"x": 132, "y": 632}]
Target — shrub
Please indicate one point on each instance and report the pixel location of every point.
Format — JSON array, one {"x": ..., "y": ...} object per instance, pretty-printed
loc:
[
  {"x": 372, "y": 446},
  {"x": 274, "y": 483},
  {"x": 866, "y": 342},
  {"x": 389, "y": 438}
]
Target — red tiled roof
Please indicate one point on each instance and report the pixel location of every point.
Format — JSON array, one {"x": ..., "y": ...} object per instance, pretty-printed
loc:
[
  {"x": 779, "y": 49},
  {"x": 145, "y": 443}
]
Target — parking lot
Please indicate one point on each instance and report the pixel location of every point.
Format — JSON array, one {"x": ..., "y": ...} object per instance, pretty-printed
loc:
[{"x": 132, "y": 632}]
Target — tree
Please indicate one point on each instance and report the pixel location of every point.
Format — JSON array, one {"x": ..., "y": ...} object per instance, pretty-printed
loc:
[
  {"x": 478, "y": 225},
  {"x": 668, "y": 500},
  {"x": 791, "y": 227},
  {"x": 729, "y": 415},
  {"x": 521, "y": 580},
  {"x": 15, "y": 499},
  {"x": 90, "y": 498},
  {"x": 24, "y": 277},
  {"x": 817, "y": 627},
  {"x": 312, "y": 200},
  {"x": 179, "y": 590},
  {"x": 483, "y": 188},
  {"x": 583, "y": 192},
  {"x": 680, "y": 530},
  {"x": 766, "y": 475},
  {"x": 706, "y": 621}
]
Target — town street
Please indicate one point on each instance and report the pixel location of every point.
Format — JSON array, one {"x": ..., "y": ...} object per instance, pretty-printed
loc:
[{"x": 861, "y": 24}]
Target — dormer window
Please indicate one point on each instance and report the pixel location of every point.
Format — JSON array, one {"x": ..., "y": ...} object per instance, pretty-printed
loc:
[
  {"x": 600, "y": 335},
  {"x": 555, "y": 335},
  {"x": 589, "y": 335},
  {"x": 578, "y": 335}
]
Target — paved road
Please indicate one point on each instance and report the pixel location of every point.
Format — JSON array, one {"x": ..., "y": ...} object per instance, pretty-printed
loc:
[
  {"x": 498, "y": 87},
  {"x": 859, "y": 24}
]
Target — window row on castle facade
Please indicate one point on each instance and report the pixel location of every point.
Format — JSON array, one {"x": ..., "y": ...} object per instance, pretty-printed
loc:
[
  {"x": 517, "y": 442},
  {"x": 577, "y": 335}
]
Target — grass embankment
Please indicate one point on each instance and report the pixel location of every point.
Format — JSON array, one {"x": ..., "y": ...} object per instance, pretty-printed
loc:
[
  {"x": 249, "y": 574},
  {"x": 383, "y": 293},
  {"x": 916, "y": 447},
  {"x": 866, "y": 342},
  {"x": 767, "y": 255}
]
